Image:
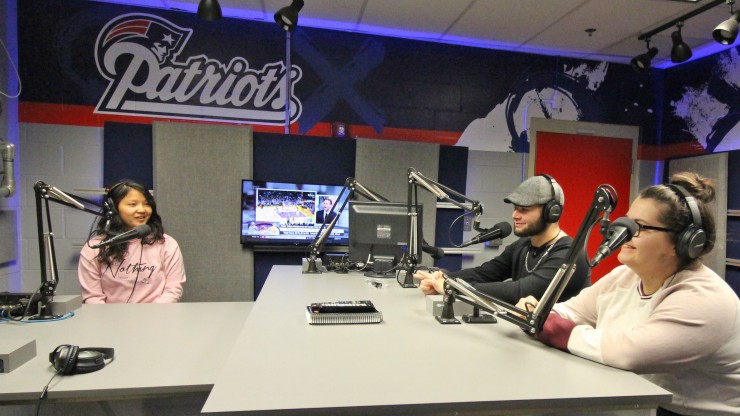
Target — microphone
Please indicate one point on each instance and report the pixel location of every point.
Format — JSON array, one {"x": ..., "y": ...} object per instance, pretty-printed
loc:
[
  {"x": 436, "y": 252},
  {"x": 138, "y": 232},
  {"x": 620, "y": 232},
  {"x": 500, "y": 230}
]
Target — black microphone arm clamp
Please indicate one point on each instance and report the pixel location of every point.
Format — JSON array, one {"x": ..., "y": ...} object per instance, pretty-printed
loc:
[
  {"x": 45, "y": 193},
  {"x": 413, "y": 254},
  {"x": 352, "y": 187},
  {"x": 603, "y": 203},
  {"x": 447, "y": 317}
]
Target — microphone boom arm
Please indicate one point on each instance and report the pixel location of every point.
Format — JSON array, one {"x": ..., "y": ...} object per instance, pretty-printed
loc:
[
  {"x": 604, "y": 202},
  {"x": 46, "y": 193},
  {"x": 357, "y": 187},
  {"x": 442, "y": 192},
  {"x": 413, "y": 252},
  {"x": 352, "y": 187}
]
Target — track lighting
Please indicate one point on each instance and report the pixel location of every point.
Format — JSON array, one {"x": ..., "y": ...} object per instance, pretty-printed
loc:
[
  {"x": 642, "y": 62},
  {"x": 287, "y": 17},
  {"x": 209, "y": 10},
  {"x": 680, "y": 52},
  {"x": 726, "y": 32}
]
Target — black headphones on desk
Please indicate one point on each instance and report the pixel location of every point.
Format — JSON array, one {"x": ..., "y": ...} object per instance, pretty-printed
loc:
[{"x": 71, "y": 359}]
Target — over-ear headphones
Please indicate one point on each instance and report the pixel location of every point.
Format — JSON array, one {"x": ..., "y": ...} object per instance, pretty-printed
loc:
[
  {"x": 108, "y": 201},
  {"x": 71, "y": 359},
  {"x": 554, "y": 208},
  {"x": 691, "y": 240}
]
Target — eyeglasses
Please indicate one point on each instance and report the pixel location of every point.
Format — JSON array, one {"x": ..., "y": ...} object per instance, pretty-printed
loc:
[{"x": 641, "y": 227}]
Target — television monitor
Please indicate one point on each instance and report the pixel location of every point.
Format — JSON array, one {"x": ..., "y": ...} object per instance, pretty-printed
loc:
[
  {"x": 275, "y": 213},
  {"x": 379, "y": 232}
]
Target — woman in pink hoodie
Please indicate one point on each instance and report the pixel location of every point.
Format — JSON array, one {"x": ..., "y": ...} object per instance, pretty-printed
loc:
[{"x": 149, "y": 269}]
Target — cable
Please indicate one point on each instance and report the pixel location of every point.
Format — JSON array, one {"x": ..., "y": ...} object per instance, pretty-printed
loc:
[
  {"x": 36, "y": 321},
  {"x": 138, "y": 270},
  {"x": 26, "y": 309},
  {"x": 92, "y": 232},
  {"x": 452, "y": 224},
  {"x": 18, "y": 77},
  {"x": 45, "y": 392}
]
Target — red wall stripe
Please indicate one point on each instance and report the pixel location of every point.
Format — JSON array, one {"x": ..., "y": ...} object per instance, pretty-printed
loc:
[{"x": 80, "y": 115}]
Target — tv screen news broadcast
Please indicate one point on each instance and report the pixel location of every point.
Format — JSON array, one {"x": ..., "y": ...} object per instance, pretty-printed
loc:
[{"x": 275, "y": 213}]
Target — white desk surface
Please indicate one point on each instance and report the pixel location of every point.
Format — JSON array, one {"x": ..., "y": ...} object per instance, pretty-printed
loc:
[
  {"x": 408, "y": 364},
  {"x": 159, "y": 349}
]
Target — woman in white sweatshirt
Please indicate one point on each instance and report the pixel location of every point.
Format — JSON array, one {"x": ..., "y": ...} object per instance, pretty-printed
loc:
[{"x": 662, "y": 314}]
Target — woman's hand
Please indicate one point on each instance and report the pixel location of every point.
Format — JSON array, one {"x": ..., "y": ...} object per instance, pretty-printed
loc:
[
  {"x": 556, "y": 331},
  {"x": 528, "y": 304}
]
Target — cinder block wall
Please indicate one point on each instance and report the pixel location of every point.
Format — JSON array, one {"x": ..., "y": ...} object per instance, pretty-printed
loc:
[{"x": 71, "y": 159}]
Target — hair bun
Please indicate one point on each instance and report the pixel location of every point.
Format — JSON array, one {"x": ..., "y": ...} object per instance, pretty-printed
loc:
[{"x": 700, "y": 187}]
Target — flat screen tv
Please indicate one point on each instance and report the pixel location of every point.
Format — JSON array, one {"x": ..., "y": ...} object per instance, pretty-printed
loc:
[
  {"x": 275, "y": 213},
  {"x": 379, "y": 233}
]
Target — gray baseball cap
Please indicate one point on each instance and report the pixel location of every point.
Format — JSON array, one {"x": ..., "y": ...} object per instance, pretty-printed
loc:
[{"x": 536, "y": 190}]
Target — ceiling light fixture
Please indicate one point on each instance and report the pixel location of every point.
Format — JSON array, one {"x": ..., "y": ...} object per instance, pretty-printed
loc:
[
  {"x": 680, "y": 52},
  {"x": 680, "y": 49},
  {"x": 287, "y": 17},
  {"x": 209, "y": 10},
  {"x": 726, "y": 32},
  {"x": 640, "y": 63}
]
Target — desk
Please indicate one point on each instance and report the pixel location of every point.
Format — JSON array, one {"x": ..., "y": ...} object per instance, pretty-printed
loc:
[
  {"x": 409, "y": 364},
  {"x": 160, "y": 349}
]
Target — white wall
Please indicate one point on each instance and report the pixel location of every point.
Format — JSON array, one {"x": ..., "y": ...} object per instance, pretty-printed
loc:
[{"x": 491, "y": 177}]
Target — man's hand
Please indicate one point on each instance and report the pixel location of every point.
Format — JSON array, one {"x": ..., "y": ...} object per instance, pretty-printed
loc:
[{"x": 431, "y": 283}]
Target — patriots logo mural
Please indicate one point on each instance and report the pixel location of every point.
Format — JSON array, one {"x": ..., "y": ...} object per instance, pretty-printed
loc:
[{"x": 140, "y": 55}]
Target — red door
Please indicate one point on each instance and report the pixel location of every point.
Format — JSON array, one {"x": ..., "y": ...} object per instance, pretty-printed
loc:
[{"x": 580, "y": 164}]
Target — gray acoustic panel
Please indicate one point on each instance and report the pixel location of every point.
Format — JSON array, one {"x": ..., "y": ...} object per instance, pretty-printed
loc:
[
  {"x": 8, "y": 236},
  {"x": 197, "y": 184},
  {"x": 383, "y": 165},
  {"x": 713, "y": 166}
]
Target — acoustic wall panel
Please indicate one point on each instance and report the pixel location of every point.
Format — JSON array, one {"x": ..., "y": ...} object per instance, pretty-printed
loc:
[
  {"x": 197, "y": 184},
  {"x": 714, "y": 167},
  {"x": 383, "y": 165},
  {"x": 302, "y": 159},
  {"x": 127, "y": 153}
]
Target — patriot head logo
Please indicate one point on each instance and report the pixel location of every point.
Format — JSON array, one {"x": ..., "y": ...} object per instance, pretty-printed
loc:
[
  {"x": 160, "y": 36},
  {"x": 140, "y": 55}
]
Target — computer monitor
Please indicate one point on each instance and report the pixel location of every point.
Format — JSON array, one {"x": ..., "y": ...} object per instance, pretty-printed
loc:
[{"x": 378, "y": 234}]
